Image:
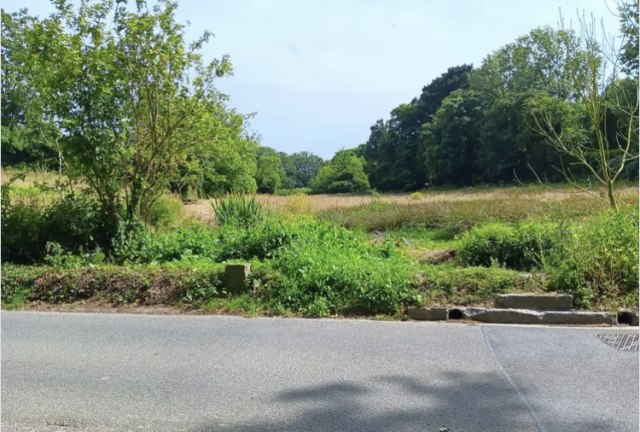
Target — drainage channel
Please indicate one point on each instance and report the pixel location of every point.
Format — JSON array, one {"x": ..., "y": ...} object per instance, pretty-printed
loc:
[{"x": 620, "y": 341}]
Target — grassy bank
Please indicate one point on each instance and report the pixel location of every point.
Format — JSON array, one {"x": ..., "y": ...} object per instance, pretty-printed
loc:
[{"x": 353, "y": 259}]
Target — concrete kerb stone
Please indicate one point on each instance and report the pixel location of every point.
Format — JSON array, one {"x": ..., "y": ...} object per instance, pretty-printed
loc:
[
  {"x": 579, "y": 317},
  {"x": 428, "y": 314},
  {"x": 502, "y": 316},
  {"x": 235, "y": 275},
  {"x": 552, "y": 302},
  {"x": 516, "y": 316}
]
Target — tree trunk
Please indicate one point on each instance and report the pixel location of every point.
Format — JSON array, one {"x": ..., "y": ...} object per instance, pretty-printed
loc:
[{"x": 612, "y": 198}]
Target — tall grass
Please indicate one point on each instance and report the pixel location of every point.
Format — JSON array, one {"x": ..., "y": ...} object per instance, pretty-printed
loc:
[{"x": 455, "y": 210}]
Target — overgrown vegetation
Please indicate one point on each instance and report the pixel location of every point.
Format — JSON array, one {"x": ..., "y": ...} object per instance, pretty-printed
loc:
[
  {"x": 597, "y": 260},
  {"x": 147, "y": 132}
]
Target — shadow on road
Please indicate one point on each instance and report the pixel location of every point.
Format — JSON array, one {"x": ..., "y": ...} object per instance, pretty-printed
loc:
[{"x": 455, "y": 401}]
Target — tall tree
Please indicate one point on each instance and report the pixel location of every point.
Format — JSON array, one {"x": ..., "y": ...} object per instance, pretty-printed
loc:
[
  {"x": 29, "y": 130},
  {"x": 394, "y": 149},
  {"x": 451, "y": 140},
  {"x": 538, "y": 63},
  {"x": 269, "y": 172}
]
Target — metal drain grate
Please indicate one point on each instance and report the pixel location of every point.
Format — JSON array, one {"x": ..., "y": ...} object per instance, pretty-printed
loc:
[{"x": 621, "y": 342}]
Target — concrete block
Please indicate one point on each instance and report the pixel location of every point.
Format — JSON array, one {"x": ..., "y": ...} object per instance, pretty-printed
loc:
[
  {"x": 502, "y": 316},
  {"x": 579, "y": 318},
  {"x": 235, "y": 275},
  {"x": 428, "y": 314},
  {"x": 552, "y": 302}
]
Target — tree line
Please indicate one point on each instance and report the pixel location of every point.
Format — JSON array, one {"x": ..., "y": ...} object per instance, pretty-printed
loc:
[
  {"x": 496, "y": 124},
  {"x": 113, "y": 93}
]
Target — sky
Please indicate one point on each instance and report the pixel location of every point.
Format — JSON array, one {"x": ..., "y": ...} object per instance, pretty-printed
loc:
[{"x": 318, "y": 73}]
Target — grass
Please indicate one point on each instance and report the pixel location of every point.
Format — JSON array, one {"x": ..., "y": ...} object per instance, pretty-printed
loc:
[
  {"x": 454, "y": 211},
  {"x": 415, "y": 238},
  {"x": 453, "y": 285}
]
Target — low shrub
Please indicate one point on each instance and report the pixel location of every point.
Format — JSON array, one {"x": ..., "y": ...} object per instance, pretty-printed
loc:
[
  {"x": 193, "y": 240},
  {"x": 166, "y": 212},
  {"x": 57, "y": 256},
  {"x": 135, "y": 245},
  {"x": 17, "y": 283},
  {"x": 516, "y": 247},
  {"x": 237, "y": 210},
  {"x": 328, "y": 269},
  {"x": 261, "y": 242},
  {"x": 299, "y": 204},
  {"x": 597, "y": 260}
]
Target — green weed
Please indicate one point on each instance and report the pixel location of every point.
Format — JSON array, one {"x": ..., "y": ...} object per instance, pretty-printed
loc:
[{"x": 237, "y": 210}]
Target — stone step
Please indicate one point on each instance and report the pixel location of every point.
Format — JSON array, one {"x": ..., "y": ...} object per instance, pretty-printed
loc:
[{"x": 548, "y": 301}]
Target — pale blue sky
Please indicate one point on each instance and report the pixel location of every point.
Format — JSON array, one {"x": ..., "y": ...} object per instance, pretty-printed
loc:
[{"x": 318, "y": 73}]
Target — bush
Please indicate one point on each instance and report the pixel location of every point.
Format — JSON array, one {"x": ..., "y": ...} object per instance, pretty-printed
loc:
[
  {"x": 516, "y": 247},
  {"x": 135, "y": 245},
  {"x": 166, "y": 212},
  {"x": 261, "y": 242},
  {"x": 328, "y": 269},
  {"x": 597, "y": 261},
  {"x": 193, "y": 240},
  {"x": 237, "y": 210},
  {"x": 57, "y": 256},
  {"x": 23, "y": 233},
  {"x": 73, "y": 222}
]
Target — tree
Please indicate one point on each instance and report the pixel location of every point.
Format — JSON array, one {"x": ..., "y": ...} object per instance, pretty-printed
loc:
[
  {"x": 343, "y": 174},
  {"x": 224, "y": 162},
  {"x": 394, "y": 149},
  {"x": 451, "y": 140},
  {"x": 29, "y": 134},
  {"x": 299, "y": 169},
  {"x": 538, "y": 63},
  {"x": 599, "y": 92},
  {"x": 268, "y": 172},
  {"x": 131, "y": 99},
  {"x": 628, "y": 13}
]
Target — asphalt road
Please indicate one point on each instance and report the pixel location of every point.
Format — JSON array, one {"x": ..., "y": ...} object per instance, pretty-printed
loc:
[{"x": 107, "y": 372}]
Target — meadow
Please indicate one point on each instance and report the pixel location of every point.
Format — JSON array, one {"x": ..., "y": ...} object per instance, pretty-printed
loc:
[{"x": 323, "y": 255}]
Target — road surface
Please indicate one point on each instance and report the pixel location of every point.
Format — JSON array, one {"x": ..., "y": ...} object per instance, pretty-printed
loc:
[{"x": 108, "y": 372}]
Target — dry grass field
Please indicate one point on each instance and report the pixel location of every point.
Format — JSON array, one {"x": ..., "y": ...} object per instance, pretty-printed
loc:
[{"x": 460, "y": 206}]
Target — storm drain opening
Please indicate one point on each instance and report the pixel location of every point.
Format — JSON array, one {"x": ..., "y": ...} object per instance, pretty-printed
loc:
[
  {"x": 455, "y": 314},
  {"x": 625, "y": 318},
  {"x": 620, "y": 341}
]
